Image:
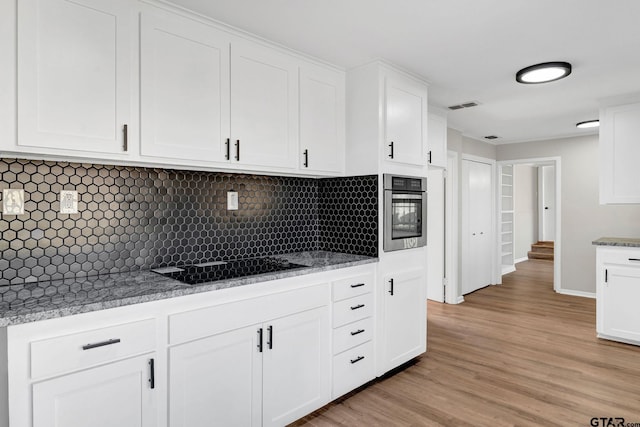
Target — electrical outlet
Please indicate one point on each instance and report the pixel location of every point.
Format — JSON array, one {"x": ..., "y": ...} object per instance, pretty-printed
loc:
[
  {"x": 68, "y": 202},
  {"x": 12, "y": 201},
  {"x": 232, "y": 200}
]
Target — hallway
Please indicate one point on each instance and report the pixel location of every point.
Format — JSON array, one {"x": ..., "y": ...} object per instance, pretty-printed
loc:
[{"x": 515, "y": 354}]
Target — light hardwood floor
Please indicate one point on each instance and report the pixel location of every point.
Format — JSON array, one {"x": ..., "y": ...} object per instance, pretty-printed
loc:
[{"x": 516, "y": 354}]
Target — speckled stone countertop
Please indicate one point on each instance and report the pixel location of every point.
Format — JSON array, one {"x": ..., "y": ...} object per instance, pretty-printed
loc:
[
  {"x": 46, "y": 300},
  {"x": 617, "y": 241}
]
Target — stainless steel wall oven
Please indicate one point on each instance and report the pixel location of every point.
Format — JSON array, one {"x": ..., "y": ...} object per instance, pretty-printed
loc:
[{"x": 405, "y": 212}]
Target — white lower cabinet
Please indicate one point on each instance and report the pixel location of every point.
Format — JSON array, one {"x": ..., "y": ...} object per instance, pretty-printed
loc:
[
  {"x": 116, "y": 394},
  {"x": 404, "y": 318},
  {"x": 268, "y": 374},
  {"x": 618, "y": 294}
]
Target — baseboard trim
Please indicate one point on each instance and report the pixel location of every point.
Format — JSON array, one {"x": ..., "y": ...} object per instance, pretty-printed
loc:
[
  {"x": 577, "y": 293},
  {"x": 520, "y": 260}
]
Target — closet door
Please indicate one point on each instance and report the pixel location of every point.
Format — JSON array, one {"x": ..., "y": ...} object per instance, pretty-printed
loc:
[{"x": 477, "y": 211}]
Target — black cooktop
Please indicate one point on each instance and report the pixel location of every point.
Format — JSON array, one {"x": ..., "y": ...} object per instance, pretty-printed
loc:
[{"x": 222, "y": 270}]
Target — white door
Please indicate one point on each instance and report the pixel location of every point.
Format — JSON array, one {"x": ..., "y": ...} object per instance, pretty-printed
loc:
[
  {"x": 404, "y": 323},
  {"x": 322, "y": 116},
  {"x": 477, "y": 244},
  {"x": 547, "y": 202},
  {"x": 74, "y": 73},
  {"x": 264, "y": 106},
  {"x": 184, "y": 88},
  {"x": 117, "y": 394},
  {"x": 216, "y": 381},
  {"x": 405, "y": 122},
  {"x": 435, "y": 234},
  {"x": 619, "y": 312},
  {"x": 297, "y": 354}
]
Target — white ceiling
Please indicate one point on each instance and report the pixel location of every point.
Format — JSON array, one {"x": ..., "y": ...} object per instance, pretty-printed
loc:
[{"x": 469, "y": 50}]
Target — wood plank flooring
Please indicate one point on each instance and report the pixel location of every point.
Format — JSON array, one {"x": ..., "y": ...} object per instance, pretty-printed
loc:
[{"x": 511, "y": 355}]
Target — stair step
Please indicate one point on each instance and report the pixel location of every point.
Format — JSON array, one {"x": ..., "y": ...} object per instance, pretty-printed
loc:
[
  {"x": 540, "y": 255},
  {"x": 541, "y": 249}
]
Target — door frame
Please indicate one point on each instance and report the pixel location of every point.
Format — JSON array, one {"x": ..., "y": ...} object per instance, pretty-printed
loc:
[
  {"x": 452, "y": 293},
  {"x": 556, "y": 162},
  {"x": 541, "y": 198},
  {"x": 496, "y": 270}
]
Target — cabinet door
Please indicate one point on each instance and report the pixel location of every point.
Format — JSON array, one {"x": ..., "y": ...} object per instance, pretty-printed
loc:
[
  {"x": 184, "y": 88},
  {"x": 322, "y": 115},
  {"x": 216, "y": 381},
  {"x": 437, "y": 140},
  {"x": 405, "y": 317},
  {"x": 619, "y": 153},
  {"x": 264, "y": 106},
  {"x": 296, "y": 366},
  {"x": 117, "y": 394},
  {"x": 74, "y": 74},
  {"x": 406, "y": 122},
  {"x": 619, "y": 315}
]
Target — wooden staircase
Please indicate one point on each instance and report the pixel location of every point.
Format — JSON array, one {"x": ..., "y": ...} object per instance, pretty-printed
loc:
[{"x": 541, "y": 250}]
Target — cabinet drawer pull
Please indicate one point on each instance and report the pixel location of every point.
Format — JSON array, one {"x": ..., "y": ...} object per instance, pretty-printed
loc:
[
  {"x": 237, "y": 149},
  {"x": 391, "y": 287},
  {"x": 259, "y": 340},
  {"x": 270, "y": 339},
  {"x": 355, "y": 307},
  {"x": 357, "y": 285},
  {"x": 634, "y": 259},
  {"x": 359, "y": 331},
  {"x": 357, "y": 359},
  {"x": 227, "y": 154},
  {"x": 306, "y": 158},
  {"x": 429, "y": 156},
  {"x": 101, "y": 344},
  {"x": 152, "y": 374},
  {"x": 391, "y": 153}
]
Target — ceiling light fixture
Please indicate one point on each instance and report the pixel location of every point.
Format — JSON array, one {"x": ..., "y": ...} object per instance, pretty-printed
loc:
[
  {"x": 588, "y": 124},
  {"x": 543, "y": 73}
]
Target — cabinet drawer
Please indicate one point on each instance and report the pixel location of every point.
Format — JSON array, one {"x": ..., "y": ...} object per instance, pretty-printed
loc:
[
  {"x": 352, "y": 286},
  {"x": 352, "y": 369},
  {"x": 84, "y": 349},
  {"x": 351, "y": 335},
  {"x": 352, "y": 309},
  {"x": 621, "y": 256}
]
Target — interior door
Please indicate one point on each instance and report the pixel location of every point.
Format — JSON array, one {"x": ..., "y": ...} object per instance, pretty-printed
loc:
[
  {"x": 477, "y": 244},
  {"x": 547, "y": 195}
]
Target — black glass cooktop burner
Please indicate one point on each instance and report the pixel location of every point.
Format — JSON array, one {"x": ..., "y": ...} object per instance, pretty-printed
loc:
[{"x": 222, "y": 270}]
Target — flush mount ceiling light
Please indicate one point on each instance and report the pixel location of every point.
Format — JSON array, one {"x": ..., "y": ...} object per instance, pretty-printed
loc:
[
  {"x": 588, "y": 124},
  {"x": 543, "y": 73}
]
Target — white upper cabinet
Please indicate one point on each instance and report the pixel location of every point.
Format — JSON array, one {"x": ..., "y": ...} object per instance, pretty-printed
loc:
[
  {"x": 405, "y": 121},
  {"x": 322, "y": 119},
  {"x": 386, "y": 121},
  {"x": 184, "y": 88},
  {"x": 619, "y": 154},
  {"x": 74, "y": 74},
  {"x": 437, "y": 140},
  {"x": 264, "y": 106}
]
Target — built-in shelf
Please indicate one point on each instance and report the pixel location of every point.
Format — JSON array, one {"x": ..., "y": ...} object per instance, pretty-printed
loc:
[{"x": 507, "y": 217}]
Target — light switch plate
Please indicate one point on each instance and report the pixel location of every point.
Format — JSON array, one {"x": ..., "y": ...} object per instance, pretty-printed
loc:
[
  {"x": 68, "y": 202},
  {"x": 232, "y": 200},
  {"x": 12, "y": 201}
]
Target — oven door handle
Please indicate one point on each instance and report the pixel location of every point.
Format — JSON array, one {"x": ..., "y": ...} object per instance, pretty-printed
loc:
[{"x": 407, "y": 196}]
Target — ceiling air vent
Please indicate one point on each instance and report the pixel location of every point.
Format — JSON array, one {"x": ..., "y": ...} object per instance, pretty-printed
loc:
[
  {"x": 464, "y": 105},
  {"x": 491, "y": 137}
]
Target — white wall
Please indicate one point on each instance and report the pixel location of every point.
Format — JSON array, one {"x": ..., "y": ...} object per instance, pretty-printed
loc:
[
  {"x": 525, "y": 188},
  {"x": 583, "y": 218}
]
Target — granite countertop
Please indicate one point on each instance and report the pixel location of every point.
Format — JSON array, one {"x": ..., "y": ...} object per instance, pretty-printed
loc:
[
  {"x": 31, "y": 302},
  {"x": 617, "y": 241}
]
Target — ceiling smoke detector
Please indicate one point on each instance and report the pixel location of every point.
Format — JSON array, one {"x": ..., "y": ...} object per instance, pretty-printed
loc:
[{"x": 464, "y": 105}]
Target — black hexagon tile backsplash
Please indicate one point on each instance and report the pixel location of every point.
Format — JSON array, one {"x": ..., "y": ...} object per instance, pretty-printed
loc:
[{"x": 132, "y": 218}]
